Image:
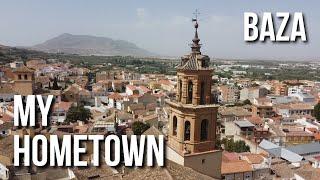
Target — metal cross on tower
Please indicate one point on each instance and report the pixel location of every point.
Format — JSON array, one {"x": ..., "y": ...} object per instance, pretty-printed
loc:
[{"x": 196, "y": 13}]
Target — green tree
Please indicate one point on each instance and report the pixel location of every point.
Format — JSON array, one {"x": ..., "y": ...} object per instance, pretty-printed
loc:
[
  {"x": 55, "y": 84},
  {"x": 317, "y": 111},
  {"x": 246, "y": 102},
  {"x": 139, "y": 127},
  {"x": 235, "y": 146},
  {"x": 80, "y": 113}
]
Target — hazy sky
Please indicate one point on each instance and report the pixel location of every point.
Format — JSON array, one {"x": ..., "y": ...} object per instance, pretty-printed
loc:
[{"x": 160, "y": 26}]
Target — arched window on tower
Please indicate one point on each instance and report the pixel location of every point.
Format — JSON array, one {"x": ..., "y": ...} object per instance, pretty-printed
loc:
[
  {"x": 174, "y": 126},
  {"x": 204, "y": 130},
  {"x": 190, "y": 91},
  {"x": 202, "y": 96},
  {"x": 187, "y": 131},
  {"x": 180, "y": 90}
]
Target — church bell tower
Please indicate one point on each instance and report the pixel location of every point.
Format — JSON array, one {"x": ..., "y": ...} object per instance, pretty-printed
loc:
[{"x": 193, "y": 117}]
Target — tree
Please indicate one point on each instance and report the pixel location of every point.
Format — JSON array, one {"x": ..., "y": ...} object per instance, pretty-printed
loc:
[
  {"x": 317, "y": 111},
  {"x": 55, "y": 84},
  {"x": 246, "y": 102},
  {"x": 80, "y": 113},
  {"x": 139, "y": 127},
  {"x": 235, "y": 146}
]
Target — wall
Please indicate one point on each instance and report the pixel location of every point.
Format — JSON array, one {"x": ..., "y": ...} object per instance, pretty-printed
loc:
[
  {"x": 174, "y": 156},
  {"x": 206, "y": 163}
]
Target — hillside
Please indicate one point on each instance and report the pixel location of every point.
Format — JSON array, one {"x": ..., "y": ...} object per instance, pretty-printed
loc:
[{"x": 90, "y": 45}]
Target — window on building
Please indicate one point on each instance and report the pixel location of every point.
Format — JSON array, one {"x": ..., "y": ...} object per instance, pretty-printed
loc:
[
  {"x": 187, "y": 131},
  {"x": 175, "y": 123},
  {"x": 25, "y": 77},
  {"x": 202, "y": 96},
  {"x": 19, "y": 76},
  {"x": 190, "y": 91},
  {"x": 204, "y": 130}
]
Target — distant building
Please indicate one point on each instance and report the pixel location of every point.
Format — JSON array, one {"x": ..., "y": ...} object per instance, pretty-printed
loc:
[
  {"x": 16, "y": 64},
  {"x": 253, "y": 92},
  {"x": 229, "y": 94},
  {"x": 292, "y": 109},
  {"x": 104, "y": 76},
  {"x": 4, "y": 172},
  {"x": 280, "y": 89},
  {"x": 304, "y": 97},
  {"x": 24, "y": 81},
  {"x": 262, "y": 107}
]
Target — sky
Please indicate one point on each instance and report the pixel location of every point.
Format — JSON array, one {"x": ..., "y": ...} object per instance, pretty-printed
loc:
[{"x": 162, "y": 27}]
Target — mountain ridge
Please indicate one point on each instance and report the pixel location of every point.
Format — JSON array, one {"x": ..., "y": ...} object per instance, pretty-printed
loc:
[{"x": 90, "y": 45}]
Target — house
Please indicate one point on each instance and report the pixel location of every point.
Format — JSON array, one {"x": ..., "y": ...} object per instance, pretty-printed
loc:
[
  {"x": 253, "y": 92},
  {"x": 151, "y": 119},
  {"x": 244, "y": 128},
  {"x": 260, "y": 133},
  {"x": 277, "y": 99},
  {"x": 124, "y": 118},
  {"x": 7, "y": 94},
  {"x": 291, "y": 109},
  {"x": 16, "y": 64},
  {"x": 280, "y": 89},
  {"x": 167, "y": 85},
  {"x": 262, "y": 107},
  {"x": 306, "y": 150},
  {"x": 256, "y": 120},
  {"x": 130, "y": 90},
  {"x": 160, "y": 98},
  {"x": 106, "y": 123},
  {"x": 76, "y": 93},
  {"x": 315, "y": 161},
  {"x": 275, "y": 151},
  {"x": 297, "y": 136},
  {"x": 304, "y": 97},
  {"x": 59, "y": 112},
  {"x": 236, "y": 169},
  {"x": 115, "y": 100},
  {"x": 229, "y": 114},
  {"x": 260, "y": 164},
  {"x": 4, "y": 172},
  {"x": 145, "y": 99},
  {"x": 104, "y": 76},
  {"x": 229, "y": 94},
  {"x": 307, "y": 172},
  {"x": 5, "y": 129}
]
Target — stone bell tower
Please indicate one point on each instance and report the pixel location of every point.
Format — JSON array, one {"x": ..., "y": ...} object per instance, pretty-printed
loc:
[
  {"x": 24, "y": 81},
  {"x": 193, "y": 117}
]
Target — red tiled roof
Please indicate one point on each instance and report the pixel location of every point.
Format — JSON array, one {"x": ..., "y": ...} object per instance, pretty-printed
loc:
[
  {"x": 255, "y": 119},
  {"x": 317, "y": 136},
  {"x": 6, "y": 118},
  {"x": 165, "y": 82},
  {"x": 144, "y": 89},
  {"x": 62, "y": 105},
  {"x": 131, "y": 87},
  {"x": 115, "y": 96},
  {"x": 254, "y": 158},
  {"x": 314, "y": 130},
  {"x": 230, "y": 156},
  {"x": 238, "y": 166}
]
